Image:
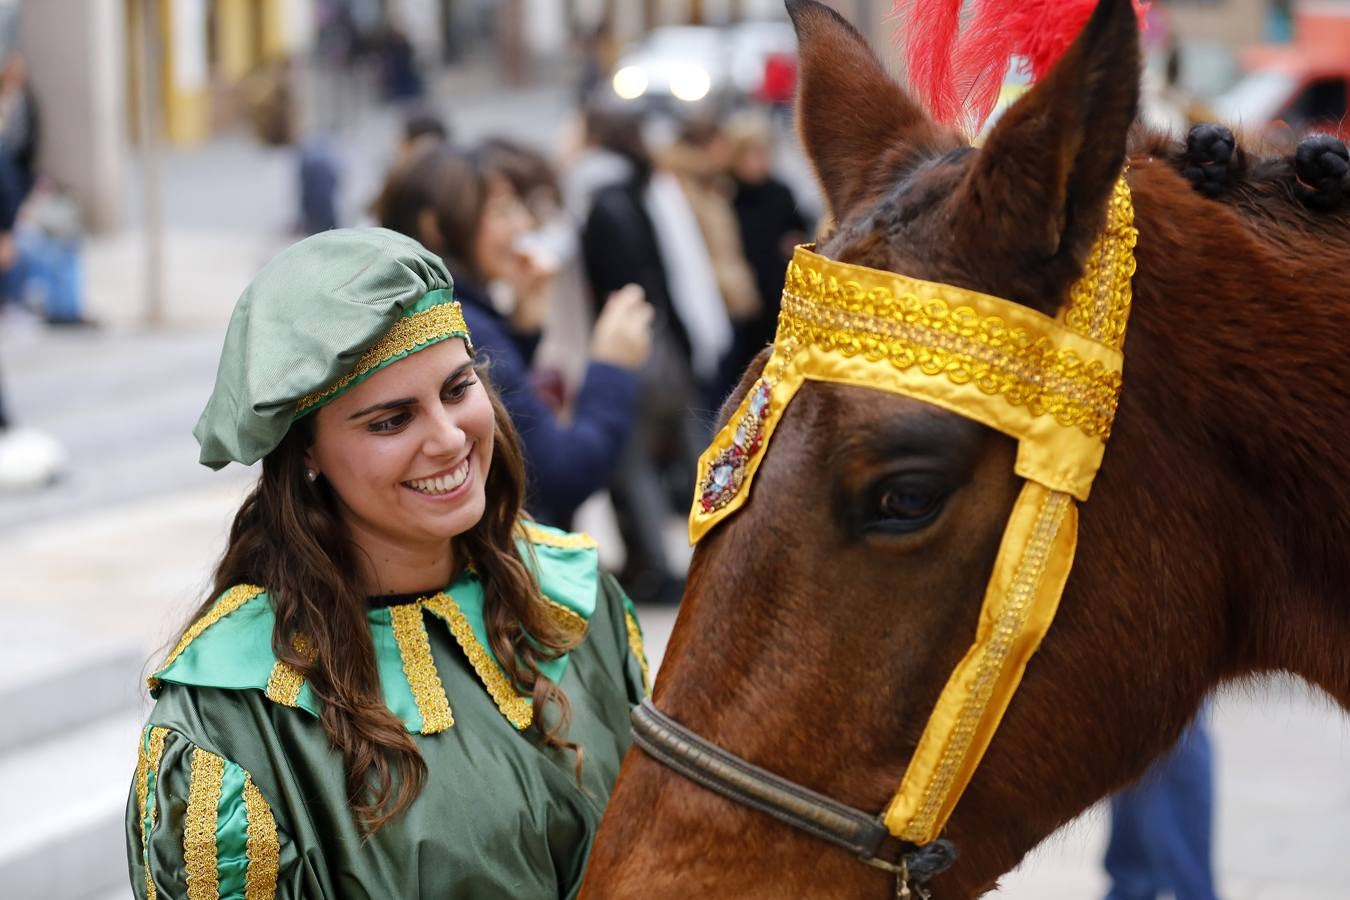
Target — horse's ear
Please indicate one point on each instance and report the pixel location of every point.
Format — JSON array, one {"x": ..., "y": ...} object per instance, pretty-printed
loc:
[
  {"x": 1055, "y": 155},
  {"x": 852, "y": 116}
]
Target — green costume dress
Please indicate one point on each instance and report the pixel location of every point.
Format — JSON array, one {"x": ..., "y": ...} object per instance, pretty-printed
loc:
[{"x": 238, "y": 794}]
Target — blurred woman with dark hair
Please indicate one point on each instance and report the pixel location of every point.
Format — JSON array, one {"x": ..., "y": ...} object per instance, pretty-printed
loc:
[{"x": 462, "y": 208}]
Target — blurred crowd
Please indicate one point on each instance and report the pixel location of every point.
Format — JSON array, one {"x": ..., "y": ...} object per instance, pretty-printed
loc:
[
  {"x": 616, "y": 289},
  {"x": 615, "y": 285}
]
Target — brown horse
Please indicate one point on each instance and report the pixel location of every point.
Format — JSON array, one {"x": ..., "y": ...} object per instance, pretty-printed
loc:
[{"x": 822, "y": 620}]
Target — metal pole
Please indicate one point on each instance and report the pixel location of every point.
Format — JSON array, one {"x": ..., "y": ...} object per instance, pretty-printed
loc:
[{"x": 148, "y": 133}]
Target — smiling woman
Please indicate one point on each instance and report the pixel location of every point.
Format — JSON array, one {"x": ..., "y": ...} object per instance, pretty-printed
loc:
[{"x": 401, "y": 687}]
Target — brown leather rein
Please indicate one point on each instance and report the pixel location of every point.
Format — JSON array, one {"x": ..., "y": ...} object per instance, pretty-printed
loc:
[{"x": 862, "y": 834}]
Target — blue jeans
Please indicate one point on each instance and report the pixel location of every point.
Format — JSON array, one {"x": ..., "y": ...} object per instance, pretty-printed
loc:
[
  {"x": 1161, "y": 828},
  {"x": 50, "y": 269}
]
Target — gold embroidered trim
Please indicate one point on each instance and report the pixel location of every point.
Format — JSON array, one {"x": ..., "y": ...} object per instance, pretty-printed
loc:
[
  {"x": 956, "y": 342},
  {"x": 635, "y": 645},
  {"x": 230, "y": 601},
  {"x": 147, "y": 761},
  {"x": 407, "y": 334},
  {"x": 420, "y": 668},
  {"x": 199, "y": 827},
  {"x": 516, "y": 708},
  {"x": 285, "y": 682},
  {"x": 263, "y": 849},
  {"x": 539, "y": 535},
  {"x": 1011, "y": 619},
  {"x": 566, "y": 619},
  {"x": 1099, "y": 302}
]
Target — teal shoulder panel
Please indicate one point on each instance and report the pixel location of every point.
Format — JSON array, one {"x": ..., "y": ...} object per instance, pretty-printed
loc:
[
  {"x": 230, "y": 648},
  {"x": 566, "y": 565}
]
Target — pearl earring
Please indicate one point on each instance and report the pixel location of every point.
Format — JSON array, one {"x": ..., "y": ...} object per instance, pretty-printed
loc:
[{"x": 312, "y": 475}]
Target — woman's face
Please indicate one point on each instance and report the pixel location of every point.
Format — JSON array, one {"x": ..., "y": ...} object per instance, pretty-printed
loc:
[
  {"x": 504, "y": 220},
  {"x": 407, "y": 450}
]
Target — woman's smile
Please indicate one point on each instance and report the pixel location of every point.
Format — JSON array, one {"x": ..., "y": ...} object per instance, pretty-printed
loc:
[{"x": 447, "y": 484}]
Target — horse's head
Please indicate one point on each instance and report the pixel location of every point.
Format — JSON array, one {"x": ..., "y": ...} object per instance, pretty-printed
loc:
[{"x": 823, "y": 618}]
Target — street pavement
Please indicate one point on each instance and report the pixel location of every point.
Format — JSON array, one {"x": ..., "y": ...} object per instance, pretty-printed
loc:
[{"x": 118, "y": 552}]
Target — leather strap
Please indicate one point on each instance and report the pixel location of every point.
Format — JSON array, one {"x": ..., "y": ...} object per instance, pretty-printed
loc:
[{"x": 675, "y": 746}]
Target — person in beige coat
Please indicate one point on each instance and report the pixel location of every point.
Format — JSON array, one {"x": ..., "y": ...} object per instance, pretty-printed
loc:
[{"x": 700, "y": 159}]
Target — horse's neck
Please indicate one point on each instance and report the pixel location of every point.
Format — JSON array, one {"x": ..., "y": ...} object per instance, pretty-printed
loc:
[{"x": 1238, "y": 366}]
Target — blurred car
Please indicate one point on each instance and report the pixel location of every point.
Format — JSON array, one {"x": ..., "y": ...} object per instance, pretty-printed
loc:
[
  {"x": 691, "y": 68},
  {"x": 764, "y": 61},
  {"x": 1300, "y": 86},
  {"x": 1297, "y": 93}
]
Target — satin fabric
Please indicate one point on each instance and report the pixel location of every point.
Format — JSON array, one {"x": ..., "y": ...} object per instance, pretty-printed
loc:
[{"x": 500, "y": 815}]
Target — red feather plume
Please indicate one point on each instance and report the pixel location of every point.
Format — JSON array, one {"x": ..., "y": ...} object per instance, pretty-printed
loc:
[{"x": 958, "y": 73}]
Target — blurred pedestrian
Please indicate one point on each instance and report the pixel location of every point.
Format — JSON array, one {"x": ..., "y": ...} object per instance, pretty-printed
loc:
[
  {"x": 640, "y": 229},
  {"x": 400, "y": 685},
  {"x": 470, "y": 215},
  {"x": 1161, "y": 840},
  {"x": 19, "y": 132},
  {"x": 320, "y": 176},
  {"x": 420, "y": 130},
  {"x": 47, "y": 274},
  {"x": 19, "y": 129},
  {"x": 400, "y": 77},
  {"x": 700, "y": 159},
  {"x": 598, "y": 50},
  {"x": 552, "y": 239},
  {"x": 770, "y": 223}
]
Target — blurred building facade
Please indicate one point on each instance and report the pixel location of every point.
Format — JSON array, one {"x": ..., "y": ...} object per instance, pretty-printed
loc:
[
  {"x": 83, "y": 55},
  {"x": 214, "y": 63}
]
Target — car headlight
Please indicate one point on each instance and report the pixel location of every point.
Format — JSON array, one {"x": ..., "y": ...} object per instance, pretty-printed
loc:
[
  {"x": 690, "y": 83},
  {"x": 630, "y": 82}
]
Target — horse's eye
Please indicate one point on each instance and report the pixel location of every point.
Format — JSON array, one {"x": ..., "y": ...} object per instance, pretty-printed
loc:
[{"x": 908, "y": 505}]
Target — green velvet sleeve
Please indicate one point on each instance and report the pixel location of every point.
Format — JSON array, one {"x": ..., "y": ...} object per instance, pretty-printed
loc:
[
  {"x": 197, "y": 826},
  {"x": 637, "y": 676}
]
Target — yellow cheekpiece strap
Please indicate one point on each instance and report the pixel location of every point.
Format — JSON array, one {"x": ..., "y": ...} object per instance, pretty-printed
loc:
[
  {"x": 1023, "y": 594},
  {"x": 1051, "y": 383}
]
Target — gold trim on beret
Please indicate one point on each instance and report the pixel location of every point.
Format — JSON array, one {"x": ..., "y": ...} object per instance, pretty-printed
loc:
[{"x": 413, "y": 332}]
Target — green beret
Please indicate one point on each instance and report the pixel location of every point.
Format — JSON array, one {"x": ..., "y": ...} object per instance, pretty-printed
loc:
[{"x": 322, "y": 316}]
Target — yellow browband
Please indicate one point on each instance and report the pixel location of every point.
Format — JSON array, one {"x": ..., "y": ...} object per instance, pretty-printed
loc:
[{"x": 1051, "y": 383}]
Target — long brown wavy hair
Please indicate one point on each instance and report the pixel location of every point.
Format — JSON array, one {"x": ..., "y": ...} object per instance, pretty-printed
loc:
[{"x": 289, "y": 538}]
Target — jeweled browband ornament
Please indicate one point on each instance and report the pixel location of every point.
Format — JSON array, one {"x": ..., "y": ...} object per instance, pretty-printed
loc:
[{"x": 1051, "y": 383}]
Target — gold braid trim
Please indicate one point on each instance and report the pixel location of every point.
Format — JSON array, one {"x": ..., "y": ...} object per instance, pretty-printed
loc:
[
  {"x": 199, "y": 826},
  {"x": 1099, "y": 302},
  {"x": 229, "y": 601},
  {"x": 285, "y": 682},
  {"x": 571, "y": 622},
  {"x": 904, "y": 322},
  {"x": 420, "y": 668},
  {"x": 635, "y": 645},
  {"x": 538, "y": 535},
  {"x": 407, "y": 334},
  {"x": 147, "y": 761},
  {"x": 264, "y": 849},
  {"x": 512, "y": 705},
  {"x": 1009, "y": 624}
]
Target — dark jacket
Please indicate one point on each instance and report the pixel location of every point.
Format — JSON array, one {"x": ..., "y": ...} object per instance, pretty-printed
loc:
[
  {"x": 766, "y": 213},
  {"x": 565, "y": 462},
  {"x": 619, "y": 247}
]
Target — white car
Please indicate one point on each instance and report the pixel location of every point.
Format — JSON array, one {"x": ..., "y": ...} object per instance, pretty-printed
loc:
[{"x": 687, "y": 68}]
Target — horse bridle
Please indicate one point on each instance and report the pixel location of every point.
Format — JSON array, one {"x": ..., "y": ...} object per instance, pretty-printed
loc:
[
  {"x": 860, "y": 833},
  {"x": 1053, "y": 383}
]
